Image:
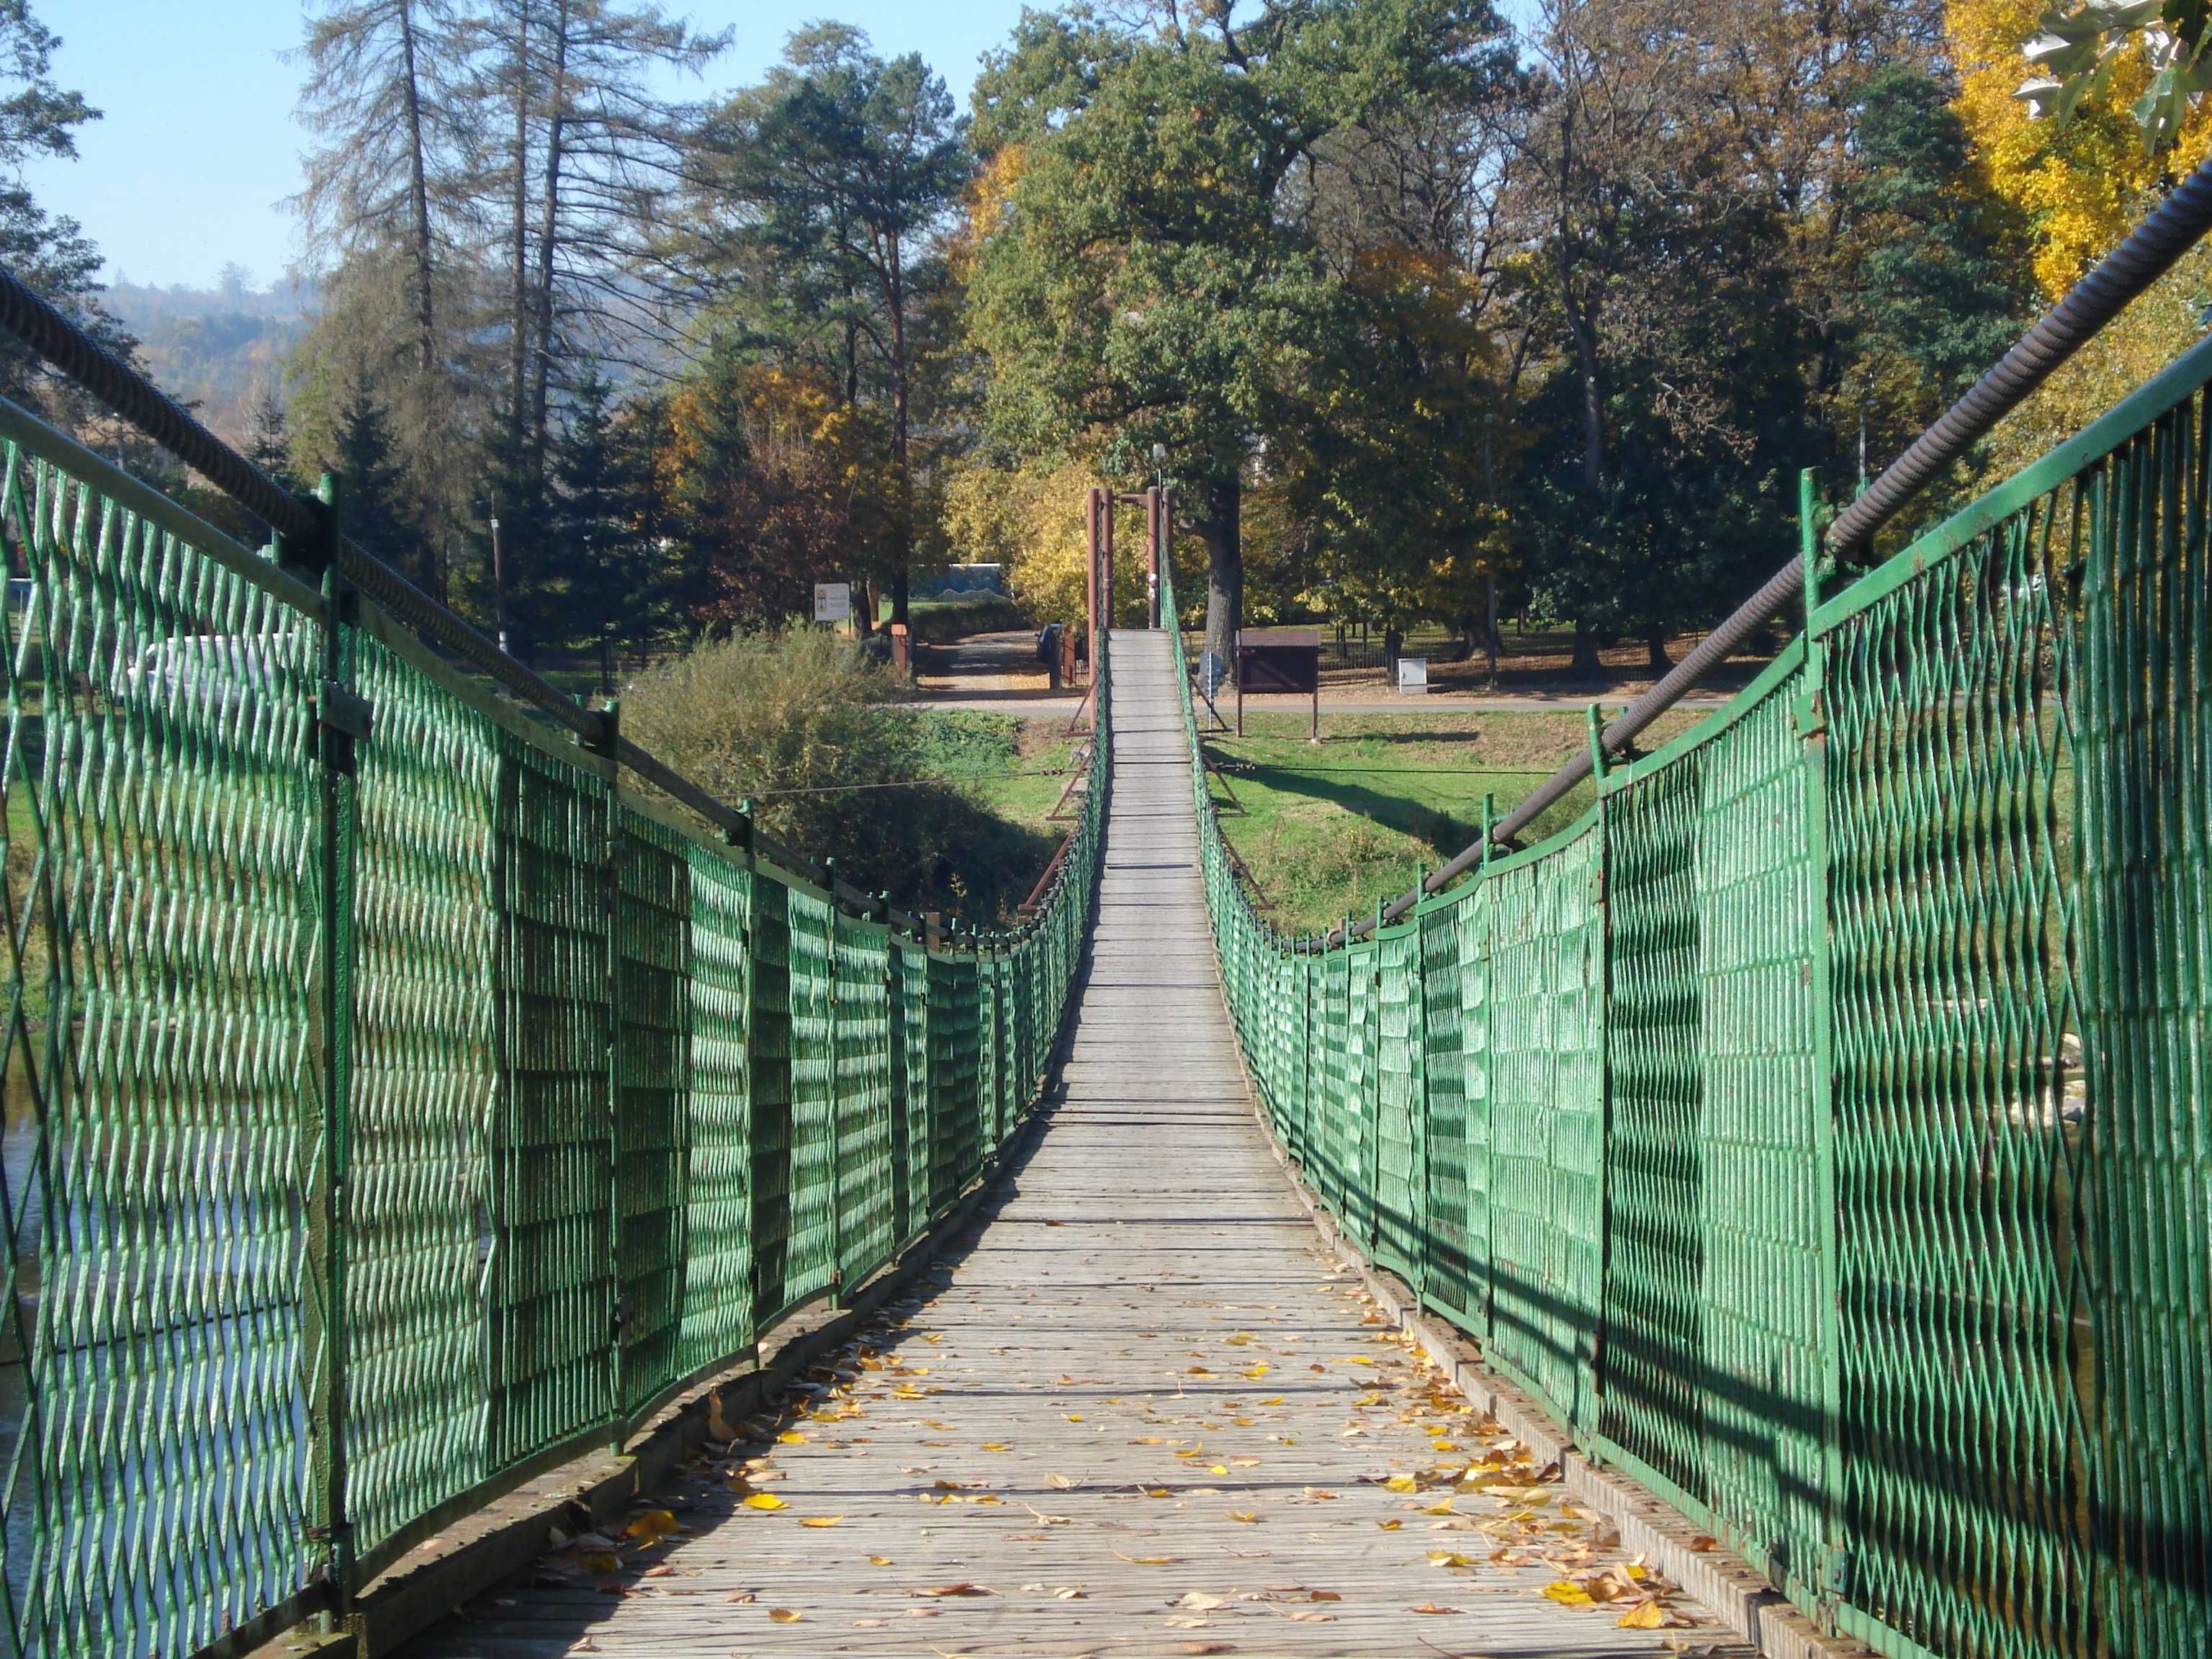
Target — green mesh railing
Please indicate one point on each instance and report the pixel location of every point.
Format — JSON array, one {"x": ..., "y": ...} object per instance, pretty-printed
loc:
[
  {"x": 1821, "y": 1127},
  {"x": 390, "y": 1117}
]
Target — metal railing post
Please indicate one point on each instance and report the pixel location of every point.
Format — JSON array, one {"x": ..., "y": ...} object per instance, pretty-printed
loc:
[
  {"x": 1812, "y": 718},
  {"x": 605, "y": 744},
  {"x": 340, "y": 720}
]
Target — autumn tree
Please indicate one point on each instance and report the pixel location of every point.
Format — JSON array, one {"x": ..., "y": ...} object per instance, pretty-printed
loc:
[
  {"x": 824, "y": 191},
  {"x": 1145, "y": 275}
]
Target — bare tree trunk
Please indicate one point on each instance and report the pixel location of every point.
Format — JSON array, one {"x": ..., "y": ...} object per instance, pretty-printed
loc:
[
  {"x": 519, "y": 296},
  {"x": 902, "y": 531},
  {"x": 1221, "y": 507},
  {"x": 1489, "y": 629},
  {"x": 1654, "y": 641},
  {"x": 1586, "y": 663},
  {"x": 418, "y": 190},
  {"x": 549, "y": 224}
]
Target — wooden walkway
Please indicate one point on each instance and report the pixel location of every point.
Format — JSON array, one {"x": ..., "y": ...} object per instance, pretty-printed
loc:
[{"x": 1140, "y": 1410}]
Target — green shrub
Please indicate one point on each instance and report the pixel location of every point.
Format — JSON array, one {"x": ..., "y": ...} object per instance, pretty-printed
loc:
[{"x": 798, "y": 722}]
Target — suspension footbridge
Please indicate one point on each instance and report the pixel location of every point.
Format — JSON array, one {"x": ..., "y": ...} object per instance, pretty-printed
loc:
[{"x": 418, "y": 1089}]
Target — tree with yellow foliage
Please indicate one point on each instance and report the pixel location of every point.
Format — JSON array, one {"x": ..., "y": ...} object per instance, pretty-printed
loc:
[
  {"x": 2078, "y": 165},
  {"x": 1030, "y": 520},
  {"x": 2075, "y": 119}
]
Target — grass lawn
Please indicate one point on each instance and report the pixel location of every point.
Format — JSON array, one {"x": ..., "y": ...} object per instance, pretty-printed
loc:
[
  {"x": 1018, "y": 766},
  {"x": 1011, "y": 770},
  {"x": 1328, "y": 829}
]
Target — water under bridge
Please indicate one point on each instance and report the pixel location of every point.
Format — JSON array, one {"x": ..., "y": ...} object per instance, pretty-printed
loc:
[{"x": 471, "y": 1193}]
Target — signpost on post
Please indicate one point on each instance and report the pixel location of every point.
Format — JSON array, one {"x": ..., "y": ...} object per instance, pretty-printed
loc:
[{"x": 833, "y": 602}]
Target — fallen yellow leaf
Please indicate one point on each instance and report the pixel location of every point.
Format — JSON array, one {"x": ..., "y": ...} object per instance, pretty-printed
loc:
[
  {"x": 598, "y": 1561},
  {"x": 783, "y": 1615},
  {"x": 1400, "y": 1483},
  {"x": 820, "y": 1520},
  {"x": 651, "y": 1524},
  {"x": 1247, "y": 1517},
  {"x": 994, "y": 1445},
  {"x": 764, "y": 1500},
  {"x": 1644, "y": 1615},
  {"x": 879, "y": 1561},
  {"x": 1569, "y": 1595},
  {"x": 791, "y": 1437}
]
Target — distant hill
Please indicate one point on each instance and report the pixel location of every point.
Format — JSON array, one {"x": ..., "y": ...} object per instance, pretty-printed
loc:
[{"x": 217, "y": 347}]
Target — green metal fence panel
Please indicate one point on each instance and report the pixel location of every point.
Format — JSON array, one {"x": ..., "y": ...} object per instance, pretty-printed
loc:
[
  {"x": 552, "y": 1266},
  {"x": 1654, "y": 1307},
  {"x": 1547, "y": 1118},
  {"x": 910, "y": 1101},
  {"x": 1398, "y": 1101},
  {"x": 955, "y": 1042},
  {"x": 771, "y": 1091},
  {"x": 1448, "y": 1279},
  {"x": 1470, "y": 909},
  {"x": 425, "y": 1079},
  {"x": 811, "y": 1260},
  {"x": 1357, "y": 1129},
  {"x": 864, "y": 1180},
  {"x": 652, "y": 1091},
  {"x": 1763, "y": 1227},
  {"x": 1951, "y": 909},
  {"x": 718, "y": 1224},
  {"x": 2142, "y": 732},
  {"x": 164, "y": 838}
]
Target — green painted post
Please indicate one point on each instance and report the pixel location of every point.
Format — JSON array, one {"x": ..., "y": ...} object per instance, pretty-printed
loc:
[
  {"x": 340, "y": 722},
  {"x": 1592, "y": 1382},
  {"x": 837, "y": 1099},
  {"x": 1416, "y": 1022},
  {"x": 1833, "y": 1574},
  {"x": 604, "y": 743}
]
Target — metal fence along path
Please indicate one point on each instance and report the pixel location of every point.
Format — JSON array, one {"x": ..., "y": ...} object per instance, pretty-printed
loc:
[
  {"x": 1819, "y": 1125},
  {"x": 400, "y": 1101},
  {"x": 1139, "y": 1410}
]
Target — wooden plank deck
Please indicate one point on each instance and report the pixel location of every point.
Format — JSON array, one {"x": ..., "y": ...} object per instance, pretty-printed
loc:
[{"x": 1141, "y": 1411}]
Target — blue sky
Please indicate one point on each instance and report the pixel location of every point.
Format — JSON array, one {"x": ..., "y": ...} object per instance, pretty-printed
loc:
[{"x": 189, "y": 168}]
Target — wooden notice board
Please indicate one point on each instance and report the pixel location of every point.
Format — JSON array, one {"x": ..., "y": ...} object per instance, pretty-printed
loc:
[{"x": 1279, "y": 659}]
